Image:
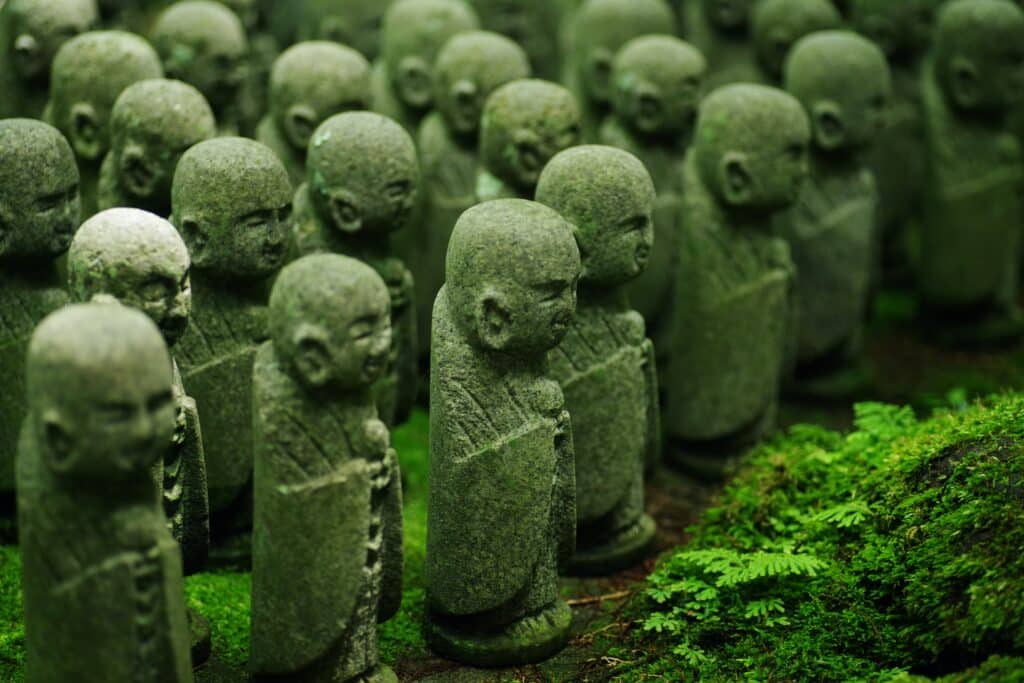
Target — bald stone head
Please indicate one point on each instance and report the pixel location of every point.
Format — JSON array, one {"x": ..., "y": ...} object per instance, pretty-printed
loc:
[
  {"x": 35, "y": 30},
  {"x": 89, "y": 72},
  {"x": 776, "y": 25},
  {"x": 842, "y": 80},
  {"x": 137, "y": 258},
  {"x": 39, "y": 200},
  {"x": 608, "y": 196},
  {"x": 363, "y": 174},
  {"x": 656, "y": 85},
  {"x": 330, "y": 322},
  {"x": 356, "y": 23},
  {"x": 978, "y": 54},
  {"x": 203, "y": 43},
  {"x": 231, "y": 202},
  {"x": 524, "y": 124},
  {"x": 602, "y": 27},
  {"x": 312, "y": 81},
  {"x": 414, "y": 32},
  {"x": 511, "y": 275},
  {"x": 152, "y": 124},
  {"x": 99, "y": 393},
  {"x": 751, "y": 146},
  {"x": 468, "y": 69},
  {"x": 902, "y": 29}
]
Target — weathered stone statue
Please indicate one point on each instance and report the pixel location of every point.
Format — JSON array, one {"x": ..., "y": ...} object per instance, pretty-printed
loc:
[
  {"x": 502, "y": 474},
  {"x": 734, "y": 307},
  {"x": 970, "y": 239},
  {"x": 362, "y": 184},
  {"x": 39, "y": 212},
  {"x": 842, "y": 80},
  {"x": 599, "y": 29},
  {"x": 776, "y": 25},
  {"x": 140, "y": 260},
  {"x": 31, "y": 32},
  {"x": 152, "y": 124},
  {"x": 413, "y": 33},
  {"x": 135, "y": 16},
  {"x": 605, "y": 363},
  {"x": 720, "y": 29},
  {"x": 309, "y": 83},
  {"x": 524, "y": 124},
  {"x": 468, "y": 69},
  {"x": 327, "y": 537},
  {"x": 532, "y": 24},
  {"x": 264, "y": 48},
  {"x": 656, "y": 87},
  {"x": 204, "y": 44},
  {"x": 89, "y": 73},
  {"x": 356, "y": 23},
  {"x": 231, "y": 202},
  {"x": 101, "y": 575}
]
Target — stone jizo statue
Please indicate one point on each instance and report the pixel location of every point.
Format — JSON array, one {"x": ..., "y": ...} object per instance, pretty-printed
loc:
[
  {"x": 776, "y": 25},
  {"x": 356, "y": 23},
  {"x": 532, "y": 24},
  {"x": 720, "y": 29}
]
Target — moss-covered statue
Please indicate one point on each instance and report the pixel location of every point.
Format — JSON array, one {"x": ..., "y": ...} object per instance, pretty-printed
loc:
[
  {"x": 734, "y": 308},
  {"x": 842, "y": 80},
  {"x": 309, "y": 83},
  {"x": 605, "y": 364},
  {"x": 468, "y": 69},
  {"x": 776, "y": 25},
  {"x": 152, "y": 124},
  {"x": 136, "y": 16},
  {"x": 204, "y": 44},
  {"x": 327, "y": 534},
  {"x": 720, "y": 29},
  {"x": 413, "y": 33},
  {"x": 599, "y": 29},
  {"x": 231, "y": 202},
  {"x": 532, "y": 24},
  {"x": 356, "y": 23},
  {"x": 502, "y": 474},
  {"x": 656, "y": 86},
  {"x": 140, "y": 260},
  {"x": 524, "y": 124},
  {"x": 31, "y": 32},
  {"x": 970, "y": 237},
  {"x": 89, "y": 73},
  {"x": 39, "y": 212},
  {"x": 362, "y": 185},
  {"x": 101, "y": 575}
]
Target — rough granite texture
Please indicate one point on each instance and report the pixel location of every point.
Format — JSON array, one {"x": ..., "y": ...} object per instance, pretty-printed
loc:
[
  {"x": 970, "y": 239},
  {"x": 599, "y": 28},
  {"x": 309, "y": 83},
  {"x": 413, "y": 32},
  {"x": 605, "y": 364},
  {"x": 656, "y": 87},
  {"x": 776, "y": 25},
  {"x": 231, "y": 202},
  {"x": 204, "y": 43},
  {"x": 101, "y": 575},
  {"x": 327, "y": 536},
  {"x": 39, "y": 212},
  {"x": 152, "y": 124},
  {"x": 356, "y": 23},
  {"x": 721, "y": 30},
  {"x": 362, "y": 185},
  {"x": 524, "y": 124},
  {"x": 140, "y": 260},
  {"x": 733, "y": 315},
  {"x": 89, "y": 73},
  {"x": 532, "y": 24},
  {"x": 842, "y": 80},
  {"x": 468, "y": 69},
  {"x": 502, "y": 483},
  {"x": 31, "y": 32}
]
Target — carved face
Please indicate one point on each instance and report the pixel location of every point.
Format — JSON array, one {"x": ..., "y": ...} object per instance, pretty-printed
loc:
[
  {"x": 381, "y": 204},
  {"x": 619, "y": 249},
  {"x": 163, "y": 293},
  {"x": 779, "y": 168},
  {"x": 38, "y": 32},
  {"x": 658, "y": 103},
  {"x": 217, "y": 69},
  {"x": 39, "y": 219},
  {"x": 145, "y": 167},
  {"x": 728, "y": 15},
  {"x": 361, "y": 340},
  {"x": 536, "y": 145}
]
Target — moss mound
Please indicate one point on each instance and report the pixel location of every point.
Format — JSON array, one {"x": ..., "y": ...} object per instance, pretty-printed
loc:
[{"x": 894, "y": 549}]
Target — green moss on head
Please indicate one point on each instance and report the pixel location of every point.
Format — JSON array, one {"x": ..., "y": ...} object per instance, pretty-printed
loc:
[{"x": 36, "y": 29}]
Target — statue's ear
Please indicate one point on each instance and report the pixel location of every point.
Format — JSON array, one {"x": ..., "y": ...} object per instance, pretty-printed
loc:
[
  {"x": 493, "y": 320},
  {"x": 195, "y": 238},
  {"x": 300, "y": 123},
  {"x": 84, "y": 131},
  {"x": 965, "y": 82},
  {"x": 829, "y": 129},
  {"x": 58, "y": 444},
  {"x": 312, "y": 358},
  {"x": 736, "y": 180},
  {"x": 413, "y": 82}
]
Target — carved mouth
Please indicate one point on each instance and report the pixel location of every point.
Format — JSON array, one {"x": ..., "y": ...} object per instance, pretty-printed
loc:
[{"x": 138, "y": 177}]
